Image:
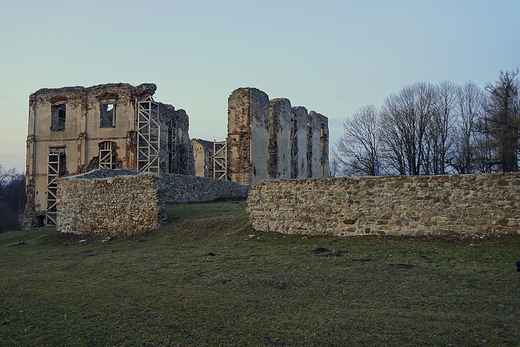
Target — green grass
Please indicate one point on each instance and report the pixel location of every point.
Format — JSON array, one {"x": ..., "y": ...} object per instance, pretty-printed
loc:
[{"x": 202, "y": 280}]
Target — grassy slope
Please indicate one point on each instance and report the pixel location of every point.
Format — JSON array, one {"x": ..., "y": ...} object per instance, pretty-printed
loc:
[{"x": 202, "y": 281}]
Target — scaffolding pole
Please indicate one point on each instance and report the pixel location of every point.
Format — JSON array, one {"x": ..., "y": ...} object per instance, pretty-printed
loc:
[
  {"x": 150, "y": 153},
  {"x": 54, "y": 166},
  {"x": 220, "y": 160},
  {"x": 106, "y": 155}
]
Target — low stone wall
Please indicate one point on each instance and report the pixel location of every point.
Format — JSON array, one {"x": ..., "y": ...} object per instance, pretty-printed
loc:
[
  {"x": 109, "y": 203},
  {"x": 390, "y": 205},
  {"x": 123, "y": 202},
  {"x": 184, "y": 188}
]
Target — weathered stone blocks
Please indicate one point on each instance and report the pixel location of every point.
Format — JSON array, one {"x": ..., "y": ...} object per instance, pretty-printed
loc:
[
  {"x": 123, "y": 202},
  {"x": 390, "y": 205},
  {"x": 272, "y": 139}
]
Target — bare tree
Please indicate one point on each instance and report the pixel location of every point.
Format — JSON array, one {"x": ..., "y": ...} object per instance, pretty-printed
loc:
[
  {"x": 427, "y": 129},
  {"x": 12, "y": 198},
  {"x": 334, "y": 169},
  {"x": 406, "y": 118},
  {"x": 358, "y": 150},
  {"x": 502, "y": 121},
  {"x": 439, "y": 138},
  {"x": 465, "y": 156}
]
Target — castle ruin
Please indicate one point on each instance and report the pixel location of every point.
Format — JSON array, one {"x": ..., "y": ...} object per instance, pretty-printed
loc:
[
  {"x": 267, "y": 139},
  {"x": 74, "y": 130}
]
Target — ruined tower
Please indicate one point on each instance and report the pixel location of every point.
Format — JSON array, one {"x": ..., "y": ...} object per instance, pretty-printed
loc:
[
  {"x": 270, "y": 139},
  {"x": 73, "y": 130}
]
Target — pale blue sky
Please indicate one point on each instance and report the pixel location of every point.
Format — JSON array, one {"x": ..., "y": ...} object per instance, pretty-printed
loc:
[{"x": 330, "y": 56}]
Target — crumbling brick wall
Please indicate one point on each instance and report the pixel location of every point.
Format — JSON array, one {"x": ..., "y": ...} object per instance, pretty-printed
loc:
[
  {"x": 202, "y": 157},
  {"x": 177, "y": 121},
  {"x": 279, "y": 163},
  {"x": 271, "y": 139},
  {"x": 248, "y": 135},
  {"x": 392, "y": 205},
  {"x": 75, "y": 122},
  {"x": 123, "y": 202}
]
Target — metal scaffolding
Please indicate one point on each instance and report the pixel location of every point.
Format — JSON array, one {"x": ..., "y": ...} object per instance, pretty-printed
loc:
[
  {"x": 106, "y": 155},
  {"x": 152, "y": 151},
  {"x": 220, "y": 160},
  {"x": 55, "y": 164}
]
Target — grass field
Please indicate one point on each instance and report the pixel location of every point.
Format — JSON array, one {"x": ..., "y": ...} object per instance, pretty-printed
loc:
[{"x": 202, "y": 280}]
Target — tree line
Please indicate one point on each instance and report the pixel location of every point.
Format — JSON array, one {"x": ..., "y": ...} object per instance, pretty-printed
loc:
[
  {"x": 12, "y": 198},
  {"x": 427, "y": 129}
]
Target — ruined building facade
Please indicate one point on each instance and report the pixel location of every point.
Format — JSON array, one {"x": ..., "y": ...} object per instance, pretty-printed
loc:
[
  {"x": 270, "y": 139},
  {"x": 73, "y": 130},
  {"x": 203, "y": 156}
]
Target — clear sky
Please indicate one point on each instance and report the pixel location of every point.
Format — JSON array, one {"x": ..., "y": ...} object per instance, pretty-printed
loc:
[{"x": 331, "y": 56}]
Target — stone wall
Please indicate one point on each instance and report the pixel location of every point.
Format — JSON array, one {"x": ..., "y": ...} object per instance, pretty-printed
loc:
[
  {"x": 248, "y": 135},
  {"x": 184, "y": 188},
  {"x": 202, "y": 157},
  {"x": 271, "y": 139},
  {"x": 123, "y": 202},
  {"x": 391, "y": 205},
  {"x": 71, "y": 131}
]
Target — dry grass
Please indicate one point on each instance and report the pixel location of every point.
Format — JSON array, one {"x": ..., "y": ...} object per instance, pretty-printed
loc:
[{"x": 202, "y": 281}]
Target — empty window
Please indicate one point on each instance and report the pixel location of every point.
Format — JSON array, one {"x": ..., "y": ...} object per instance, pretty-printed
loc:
[
  {"x": 107, "y": 155},
  {"x": 58, "y": 113},
  {"x": 108, "y": 115}
]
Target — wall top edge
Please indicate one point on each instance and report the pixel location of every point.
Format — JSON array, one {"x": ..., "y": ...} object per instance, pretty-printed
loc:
[{"x": 446, "y": 178}]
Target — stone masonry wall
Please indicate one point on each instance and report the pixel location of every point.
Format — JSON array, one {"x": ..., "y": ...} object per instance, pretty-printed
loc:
[
  {"x": 184, "y": 188},
  {"x": 123, "y": 202},
  {"x": 68, "y": 122},
  {"x": 202, "y": 157},
  {"x": 391, "y": 205},
  {"x": 272, "y": 139}
]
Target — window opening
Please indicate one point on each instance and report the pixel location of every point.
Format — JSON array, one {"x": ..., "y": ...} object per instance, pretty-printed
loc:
[
  {"x": 107, "y": 155},
  {"x": 58, "y": 115},
  {"x": 108, "y": 115}
]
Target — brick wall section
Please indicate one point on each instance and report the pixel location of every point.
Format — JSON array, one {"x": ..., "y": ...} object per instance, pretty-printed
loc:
[
  {"x": 271, "y": 139},
  {"x": 123, "y": 202},
  {"x": 391, "y": 205}
]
